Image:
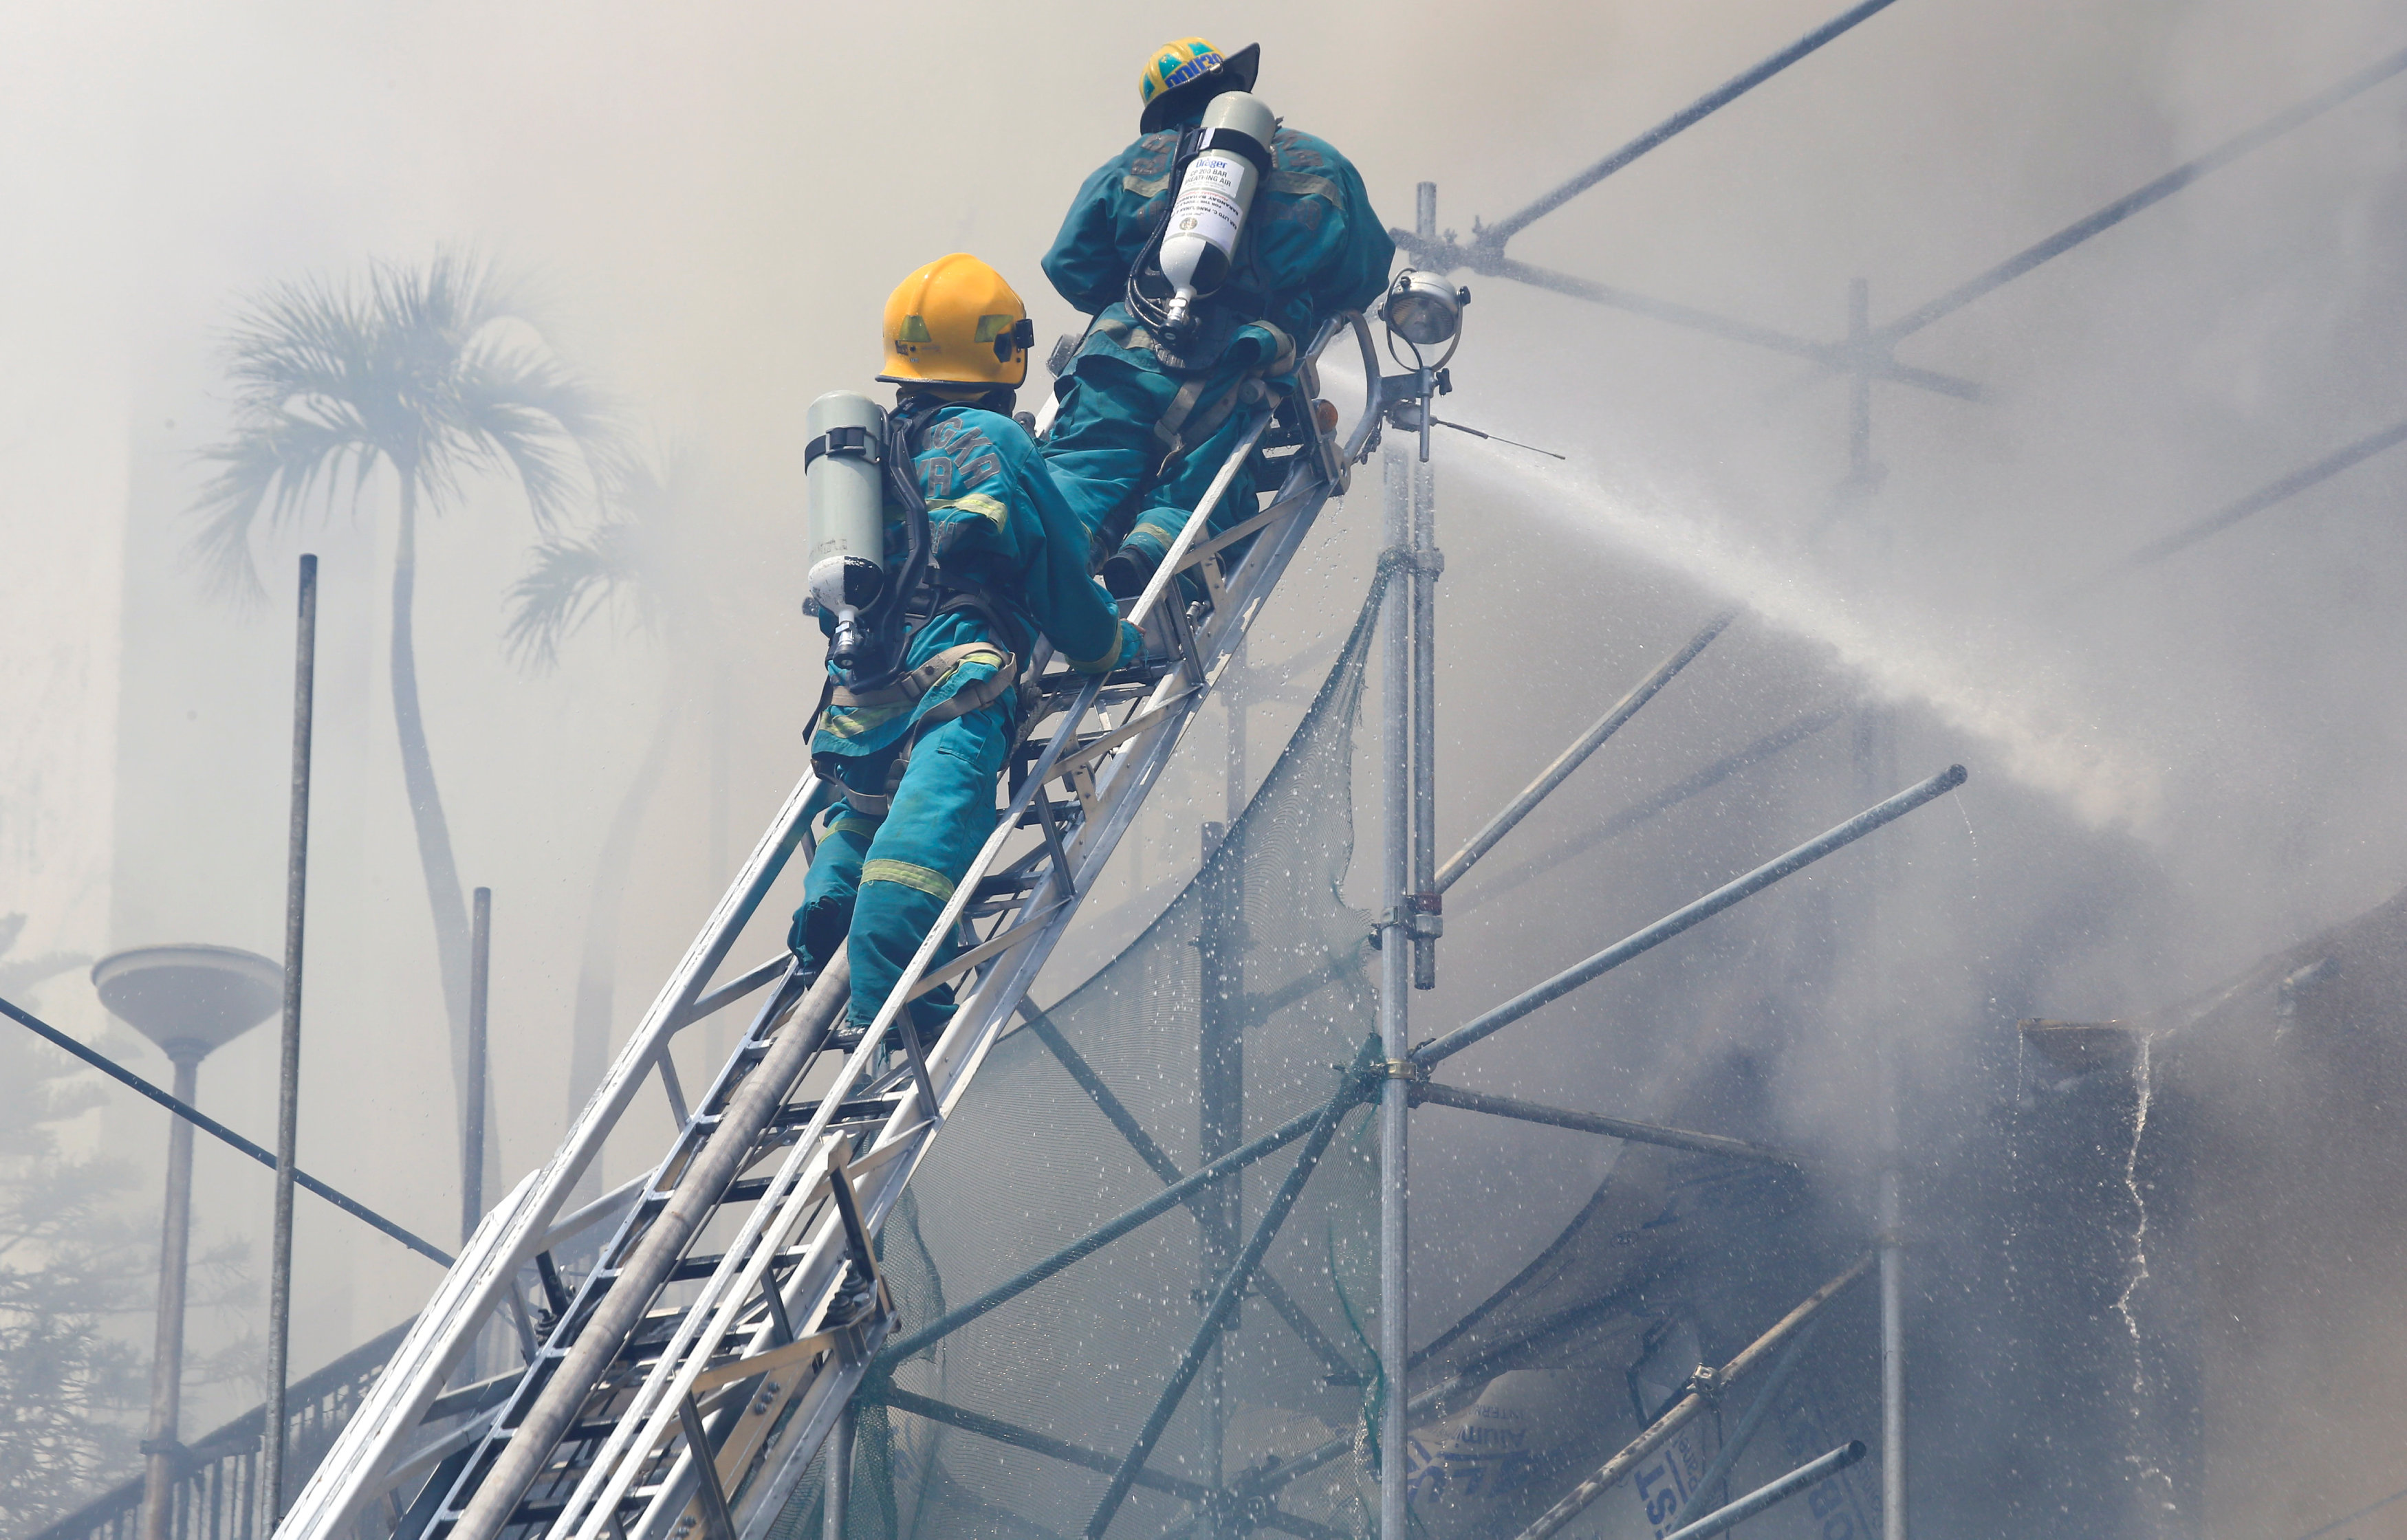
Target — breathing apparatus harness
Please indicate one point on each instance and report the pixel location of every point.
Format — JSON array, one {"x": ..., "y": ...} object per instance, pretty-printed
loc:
[
  {"x": 918, "y": 592},
  {"x": 1193, "y": 337}
]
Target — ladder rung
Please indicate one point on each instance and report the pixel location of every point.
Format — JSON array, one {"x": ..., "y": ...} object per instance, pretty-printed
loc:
[
  {"x": 1009, "y": 884},
  {"x": 1071, "y": 712},
  {"x": 852, "y": 1112}
]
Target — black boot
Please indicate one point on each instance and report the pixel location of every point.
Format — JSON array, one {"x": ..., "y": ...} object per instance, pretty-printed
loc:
[{"x": 1126, "y": 573}]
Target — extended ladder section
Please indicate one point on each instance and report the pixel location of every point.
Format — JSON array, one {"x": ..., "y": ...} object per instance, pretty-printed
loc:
[{"x": 686, "y": 1379}]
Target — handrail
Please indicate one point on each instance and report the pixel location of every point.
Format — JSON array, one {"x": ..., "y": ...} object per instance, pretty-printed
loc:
[{"x": 221, "y": 1463}]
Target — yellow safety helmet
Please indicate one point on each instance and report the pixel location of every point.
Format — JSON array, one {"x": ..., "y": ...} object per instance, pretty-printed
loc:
[
  {"x": 1183, "y": 74},
  {"x": 956, "y": 322}
]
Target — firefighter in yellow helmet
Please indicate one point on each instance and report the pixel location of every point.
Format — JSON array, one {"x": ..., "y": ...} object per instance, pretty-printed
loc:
[
  {"x": 914, "y": 732},
  {"x": 1146, "y": 418}
]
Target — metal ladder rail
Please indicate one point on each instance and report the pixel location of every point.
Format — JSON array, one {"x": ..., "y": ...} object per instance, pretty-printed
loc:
[
  {"x": 653, "y": 1195},
  {"x": 1164, "y": 694},
  {"x": 442, "y": 1503},
  {"x": 370, "y": 1454},
  {"x": 746, "y": 1265},
  {"x": 355, "y": 1472},
  {"x": 822, "y": 1402},
  {"x": 482, "y": 1282},
  {"x": 992, "y": 1008}
]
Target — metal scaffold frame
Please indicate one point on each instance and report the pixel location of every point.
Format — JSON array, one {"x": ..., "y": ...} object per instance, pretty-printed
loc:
[
  {"x": 1865, "y": 354},
  {"x": 759, "y": 1366}
]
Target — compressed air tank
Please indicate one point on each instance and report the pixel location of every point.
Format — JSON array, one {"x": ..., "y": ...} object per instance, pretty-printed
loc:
[
  {"x": 1200, "y": 242},
  {"x": 843, "y": 499}
]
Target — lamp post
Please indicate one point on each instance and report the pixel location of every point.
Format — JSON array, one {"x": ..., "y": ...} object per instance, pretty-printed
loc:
[{"x": 192, "y": 1001}]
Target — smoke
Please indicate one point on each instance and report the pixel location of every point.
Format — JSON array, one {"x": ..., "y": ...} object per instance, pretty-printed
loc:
[{"x": 2171, "y": 773}]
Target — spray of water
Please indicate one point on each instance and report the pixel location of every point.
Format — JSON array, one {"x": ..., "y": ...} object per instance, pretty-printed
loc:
[
  {"x": 2154, "y": 1484},
  {"x": 2145, "y": 1077},
  {"x": 2005, "y": 700}
]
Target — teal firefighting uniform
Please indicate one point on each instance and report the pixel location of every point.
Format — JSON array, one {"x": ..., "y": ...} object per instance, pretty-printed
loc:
[
  {"x": 1133, "y": 446},
  {"x": 916, "y": 761}
]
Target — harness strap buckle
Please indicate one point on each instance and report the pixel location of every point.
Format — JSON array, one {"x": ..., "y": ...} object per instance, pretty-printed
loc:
[{"x": 858, "y": 442}]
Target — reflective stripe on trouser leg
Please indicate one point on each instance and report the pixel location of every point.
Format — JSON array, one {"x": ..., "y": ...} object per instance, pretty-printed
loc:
[
  {"x": 943, "y": 811},
  {"x": 829, "y": 890}
]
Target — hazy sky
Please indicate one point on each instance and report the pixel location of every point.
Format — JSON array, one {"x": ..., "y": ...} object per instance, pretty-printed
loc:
[{"x": 2195, "y": 763}]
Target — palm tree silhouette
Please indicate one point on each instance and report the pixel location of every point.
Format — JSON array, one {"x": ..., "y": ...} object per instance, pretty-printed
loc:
[
  {"x": 435, "y": 372},
  {"x": 641, "y": 564}
]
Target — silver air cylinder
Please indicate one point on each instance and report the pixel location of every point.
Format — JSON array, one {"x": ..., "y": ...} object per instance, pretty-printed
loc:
[
  {"x": 843, "y": 496},
  {"x": 1200, "y": 240}
]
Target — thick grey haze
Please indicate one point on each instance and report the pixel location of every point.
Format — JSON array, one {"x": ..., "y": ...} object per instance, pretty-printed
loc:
[{"x": 2171, "y": 775}]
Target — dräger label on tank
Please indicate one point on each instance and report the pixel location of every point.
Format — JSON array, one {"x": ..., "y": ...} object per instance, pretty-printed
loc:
[{"x": 1207, "y": 201}]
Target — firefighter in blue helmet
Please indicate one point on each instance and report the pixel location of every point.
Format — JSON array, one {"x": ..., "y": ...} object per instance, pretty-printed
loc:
[
  {"x": 914, "y": 739},
  {"x": 1146, "y": 418}
]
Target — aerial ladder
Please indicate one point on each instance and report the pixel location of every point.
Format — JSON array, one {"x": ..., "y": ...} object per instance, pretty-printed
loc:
[{"x": 682, "y": 1386}]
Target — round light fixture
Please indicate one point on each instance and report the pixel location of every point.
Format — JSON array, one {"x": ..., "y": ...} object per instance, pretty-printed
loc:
[{"x": 1426, "y": 311}]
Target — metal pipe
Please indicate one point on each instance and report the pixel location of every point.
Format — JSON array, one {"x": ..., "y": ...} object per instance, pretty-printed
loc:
[
  {"x": 1218, "y": 1224},
  {"x": 1589, "y": 1123},
  {"x": 1746, "y": 1507},
  {"x": 1216, "y": 1314},
  {"x": 1689, "y": 1408},
  {"x": 1221, "y": 1085},
  {"x": 1428, "y": 562},
  {"x": 1837, "y": 356},
  {"x": 2133, "y": 203},
  {"x": 1421, "y": 1407},
  {"x": 1662, "y": 801},
  {"x": 1018, "y": 1437},
  {"x": 472, "y": 1152},
  {"x": 1729, "y": 90},
  {"x": 1573, "y": 757},
  {"x": 837, "y": 1510},
  {"x": 187, "y": 1112},
  {"x": 159, "y": 1446},
  {"x": 2347, "y": 1519},
  {"x": 2279, "y": 490},
  {"x": 1679, "y": 920},
  {"x": 1096, "y": 1239},
  {"x": 1395, "y": 1004},
  {"x": 288, "y": 1079},
  {"x": 1749, "y": 1424},
  {"x": 1892, "y": 1330}
]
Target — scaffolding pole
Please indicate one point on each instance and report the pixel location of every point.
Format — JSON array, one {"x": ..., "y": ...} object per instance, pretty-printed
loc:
[
  {"x": 1876, "y": 757},
  {"x": 1427, "y": 564},
  {"x": 288, "y": 1094},
  {"x": 1737, "y": 891},
  {"x": 839, "y": 1477},
  {"x": 1395, "y": 978},
  {"x": 1688, "y": 1408}
]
